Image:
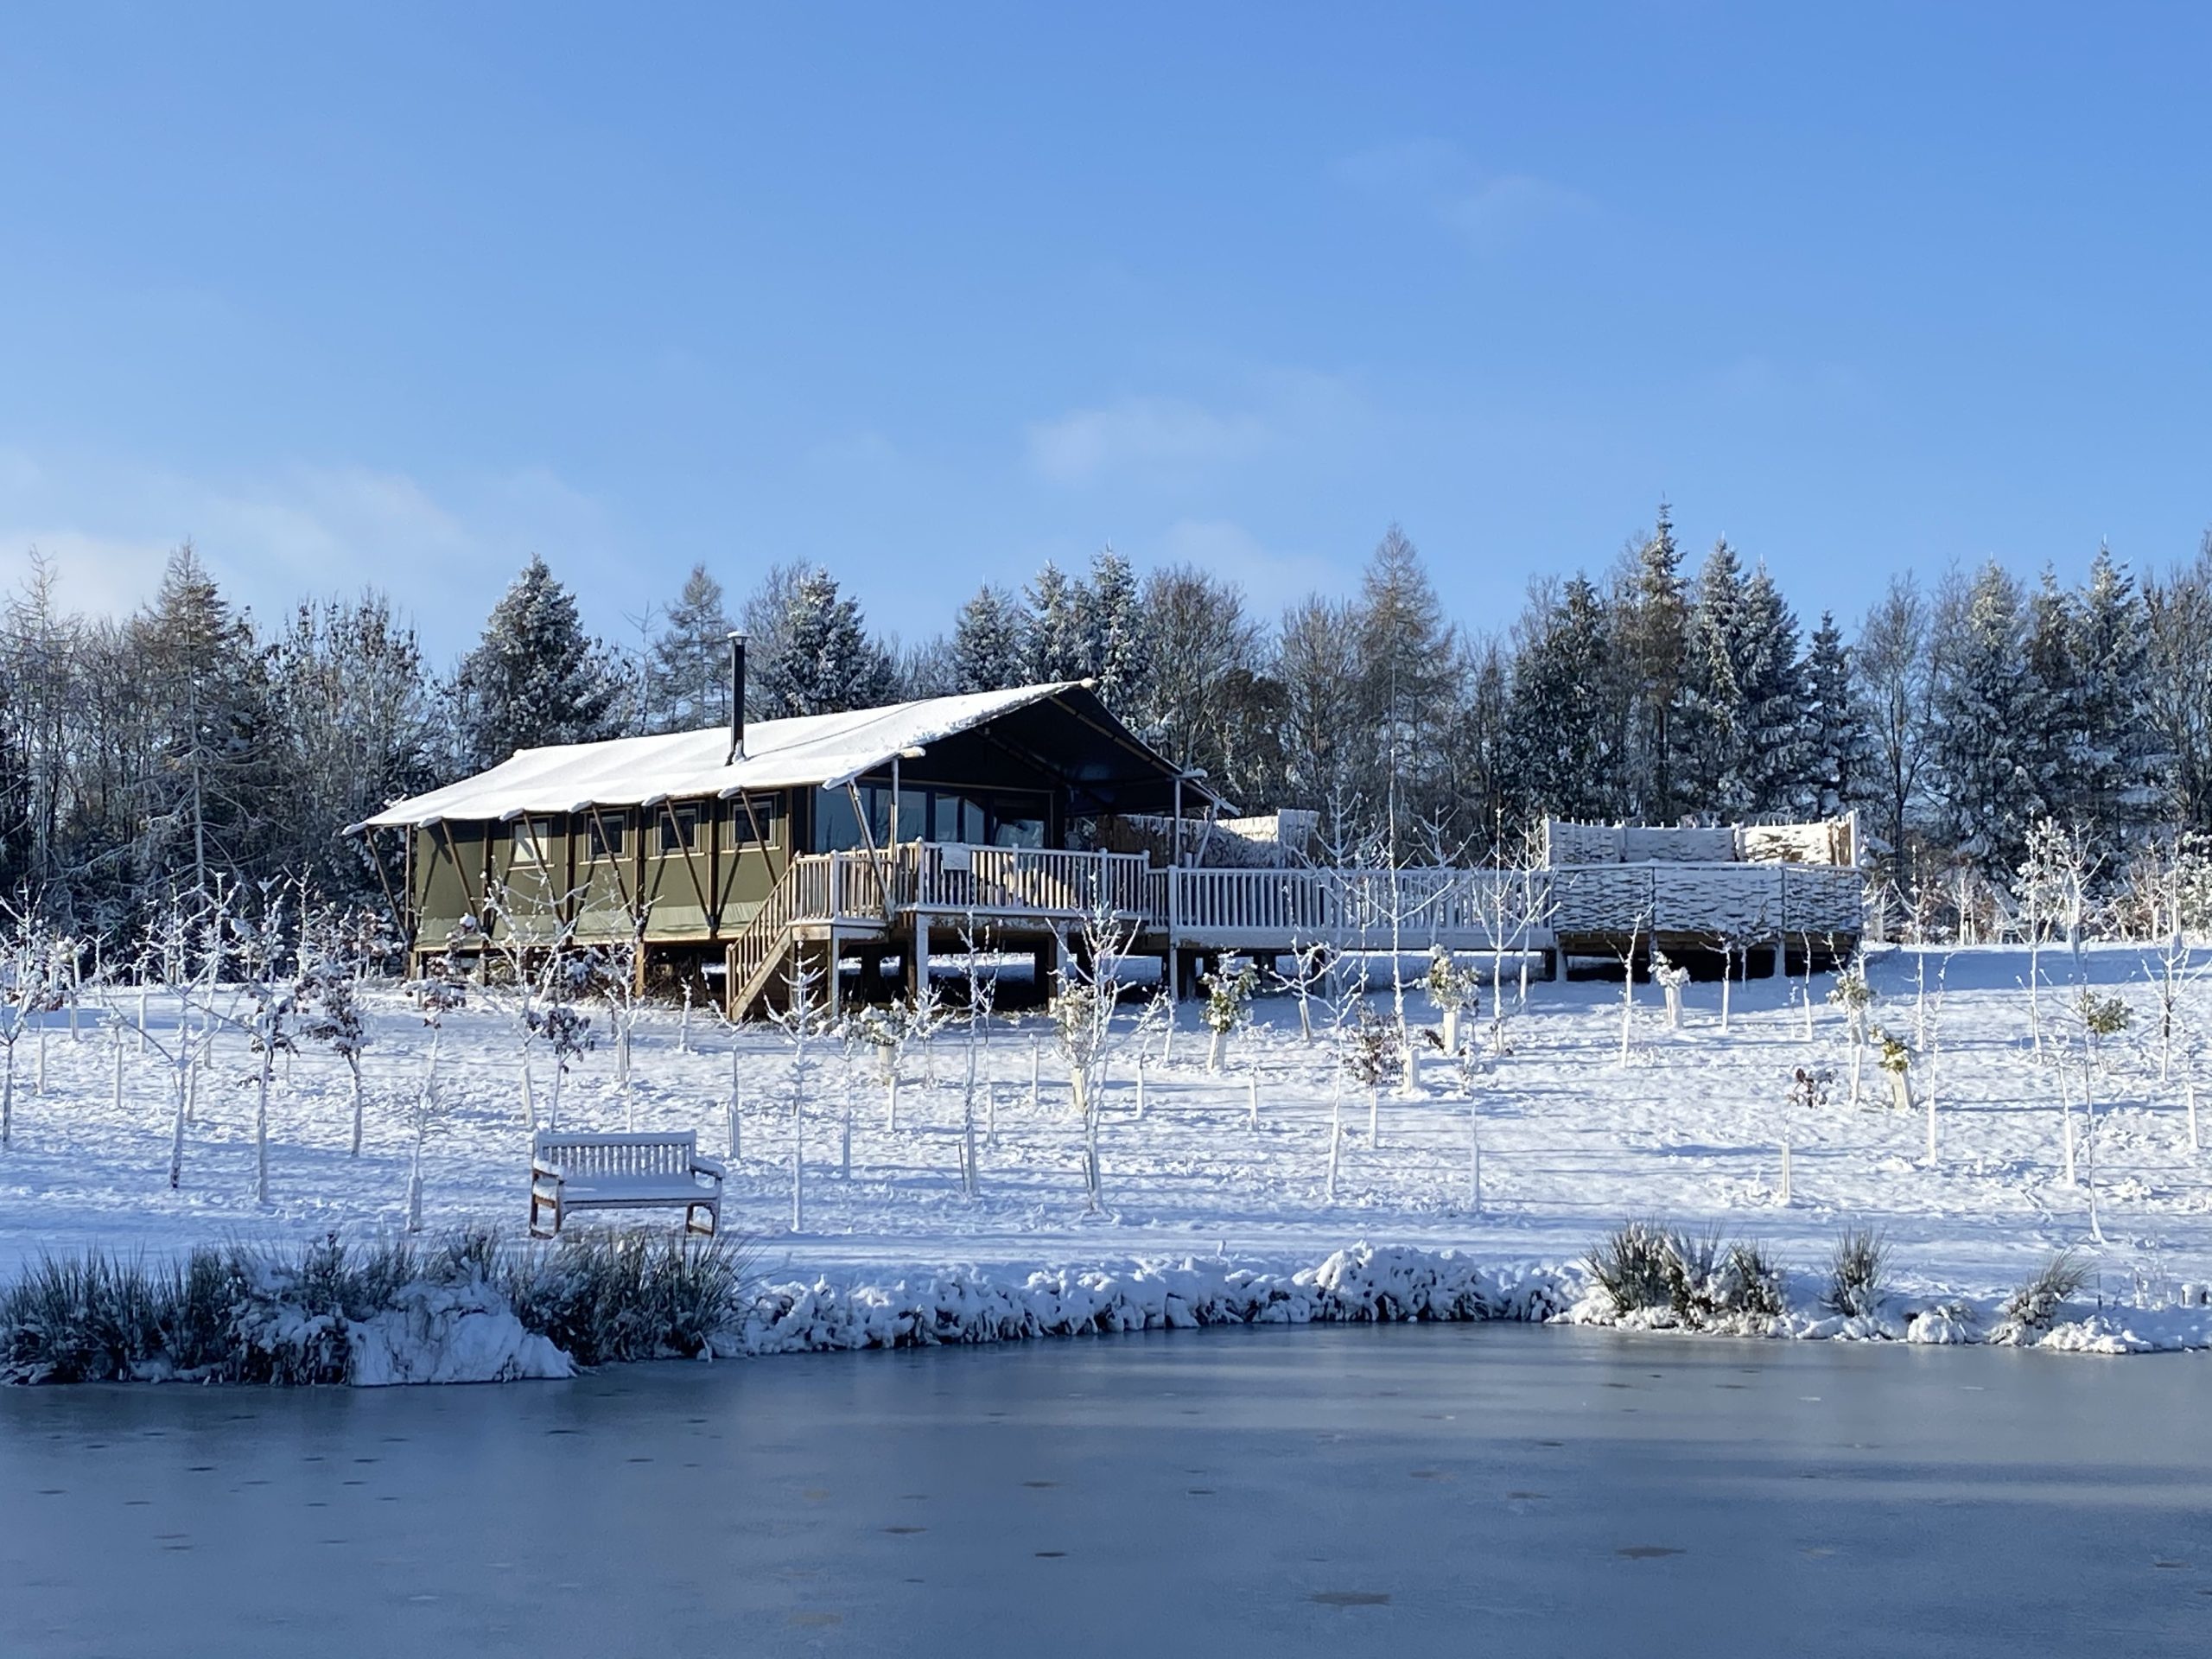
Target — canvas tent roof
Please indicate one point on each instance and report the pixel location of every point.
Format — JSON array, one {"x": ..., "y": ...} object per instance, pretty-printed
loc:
[{"x": 825, "y": 750}]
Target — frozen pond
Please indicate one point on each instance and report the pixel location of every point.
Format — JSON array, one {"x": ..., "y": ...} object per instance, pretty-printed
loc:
[{"x": 1390, "y": 1491}]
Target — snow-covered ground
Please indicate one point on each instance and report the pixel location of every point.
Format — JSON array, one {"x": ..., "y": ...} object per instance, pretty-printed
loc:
[{"x": 1572, "y": 1140}]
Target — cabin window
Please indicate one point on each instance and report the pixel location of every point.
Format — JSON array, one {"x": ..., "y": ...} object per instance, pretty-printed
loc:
[
  {"x": 767, "y": 813},
  {"x": 679, "y": 830},
  {"x": 940, "y": 815},
  {"x": 836, "y": 829},
  {"x": 955, "y": 817},
  {"x": 533, "y": 840},
  {"x": 1015, "y": 825},
  {"x": 602, "y": 837}
]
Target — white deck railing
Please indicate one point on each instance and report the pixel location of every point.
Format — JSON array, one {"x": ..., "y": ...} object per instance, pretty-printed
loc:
[{"x": 1463, "y": 907}]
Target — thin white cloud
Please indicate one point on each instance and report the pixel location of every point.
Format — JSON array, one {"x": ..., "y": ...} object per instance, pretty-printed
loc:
[
  {"x": 1175, "y": 438},
  {"x": 1140, "y": 432},
  {"x": 107, "y": 527},
  {"x": 1267, "y": 576},
  {"x": 1486, "y": 211}
]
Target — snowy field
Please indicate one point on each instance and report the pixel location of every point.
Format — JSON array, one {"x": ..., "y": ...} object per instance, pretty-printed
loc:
[{"x": 1573, "y": 1139}]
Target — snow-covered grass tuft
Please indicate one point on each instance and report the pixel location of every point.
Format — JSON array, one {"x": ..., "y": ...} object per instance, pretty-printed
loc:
[
  {"x": 1634, "y": 1265},
  {"x": 1752, "y": 1285},
  {"x": 1858, "y": 1275},
  {"x": 1698, "y": 1279},
  {"x": 2035, "y": 1304},
  {"x": 84, "y": 1318},
  {"x": 603, "y": 1296},
  {"x": 322, "y": 1312}
]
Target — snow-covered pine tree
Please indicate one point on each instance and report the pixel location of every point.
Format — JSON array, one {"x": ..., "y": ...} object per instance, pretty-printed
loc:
[
  {"x": 688, "y": 667},
  {"x": 2116, "y": 766},
  {"x": 1987, "y": 739},
  {"x": 827, "y": 662},
  {"x": 1712, "y": 725},
  {"x": 1556, "y": 725},
  {"x": 1838, "y": 746},
  {"x": 535, "y": 677},
  {"x": 987, "y": 642},
  {"x": 1772, "y": 755},
  {"x": 1116, "y": 625},
  {"x": 1651, "y": 638},
  {"x": 212, "y": 779},
  {"x": 2050, "y": 694},
  {"x": 1058, "y": 642}
]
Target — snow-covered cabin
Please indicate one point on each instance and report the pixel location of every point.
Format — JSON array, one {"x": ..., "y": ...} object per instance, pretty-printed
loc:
[
  {"x": 801, "y": 848},
  {"x": 731, "y": 848}
]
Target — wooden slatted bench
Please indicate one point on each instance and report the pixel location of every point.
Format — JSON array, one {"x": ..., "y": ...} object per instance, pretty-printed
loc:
[{"x": 622, "y": 1172}]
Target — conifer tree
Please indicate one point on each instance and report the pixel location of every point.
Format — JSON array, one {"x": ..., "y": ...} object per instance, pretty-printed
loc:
[
  {"x": 1117, "y": 634},
  {"x": 1838, "y": 746},
  {"x": 1712, "y": 725},
  {"x": 1058, "y": 643},
  {"x": 2117, "y": 767},
  {"x": 825, "y": 662},
  {"x": 214, "y": 777},
  {"x": 1555, "y": 726},
  {"x": 1986, "y": 738},
  {"x": 535, "y": 678},
  {"x": 2048, "y": 700},
  {"x": 987, "y": 642},
  {"x": 1771, "y": 760},
  {"x": 689, "y": 665},
  {"x": 1653, "y": 641}
]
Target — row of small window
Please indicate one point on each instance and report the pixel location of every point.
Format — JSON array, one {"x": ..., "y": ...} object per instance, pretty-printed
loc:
[
  {"x": 672, "y": 829},
  {"x": 1002, "y": 819}
]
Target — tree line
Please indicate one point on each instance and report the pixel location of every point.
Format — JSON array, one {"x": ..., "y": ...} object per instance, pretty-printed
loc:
[{"x": 145, "y": 754}]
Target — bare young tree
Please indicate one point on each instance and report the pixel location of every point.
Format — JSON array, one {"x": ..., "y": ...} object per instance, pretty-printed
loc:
[
  {"x": 1083, "y": 1022},
  {"x": 327, "y": 998},
  {"x": 804, "y": 1020}
]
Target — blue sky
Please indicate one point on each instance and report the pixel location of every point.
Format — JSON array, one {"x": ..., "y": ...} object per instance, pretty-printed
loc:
[{"x": 931, "y": 295}]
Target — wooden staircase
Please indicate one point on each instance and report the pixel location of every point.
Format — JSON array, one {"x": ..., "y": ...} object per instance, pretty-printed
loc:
[{"x": 821, "y": 896}]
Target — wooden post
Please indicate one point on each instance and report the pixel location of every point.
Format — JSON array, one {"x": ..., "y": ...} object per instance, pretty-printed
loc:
[
  {"x": 918, "y": 957},
  {"x": 1175, "y": 892}
]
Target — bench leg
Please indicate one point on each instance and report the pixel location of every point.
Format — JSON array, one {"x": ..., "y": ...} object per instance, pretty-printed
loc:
[
  {"x": 691, "y": 1220},
  {"x": 535, "y": 1204}
]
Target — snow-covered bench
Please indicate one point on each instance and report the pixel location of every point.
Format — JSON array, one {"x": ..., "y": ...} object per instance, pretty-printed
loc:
[{"x": 622, "y": 1172}]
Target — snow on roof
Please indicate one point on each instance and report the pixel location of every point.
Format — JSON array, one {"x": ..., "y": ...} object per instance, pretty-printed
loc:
[{"x": 830, "y": 750}]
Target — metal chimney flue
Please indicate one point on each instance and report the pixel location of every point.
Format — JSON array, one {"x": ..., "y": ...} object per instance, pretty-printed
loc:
[{"x": 736, "y": 700}]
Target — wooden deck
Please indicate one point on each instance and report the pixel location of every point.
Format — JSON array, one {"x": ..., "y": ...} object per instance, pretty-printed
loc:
[{"x": 923, "y": 895}]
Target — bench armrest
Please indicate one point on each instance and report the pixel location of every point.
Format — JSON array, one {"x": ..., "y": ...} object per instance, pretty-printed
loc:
[
  {"x": 550, "y": 1171},
  {"x": 703, "y": 1165}
]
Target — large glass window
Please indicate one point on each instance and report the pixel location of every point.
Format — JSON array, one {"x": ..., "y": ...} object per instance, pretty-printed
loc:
[
  {"x": 955, "y": 817},
  {"x": 835, "y": 827},
  {"x": 940, "y": 815}
]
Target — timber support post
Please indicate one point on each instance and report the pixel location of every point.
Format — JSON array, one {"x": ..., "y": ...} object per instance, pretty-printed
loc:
[{"x": 918, "y": 957}]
